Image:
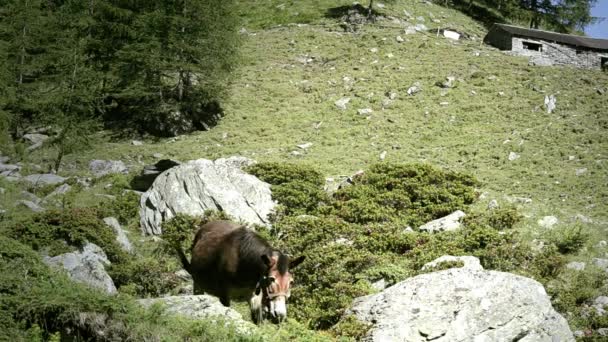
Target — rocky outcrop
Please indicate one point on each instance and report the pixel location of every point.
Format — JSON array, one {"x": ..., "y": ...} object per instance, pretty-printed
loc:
[
  {"x": 43, "y": 179},
  {"x": 144, "y": 181},
  {"x": 447, "y": 223},
  {"x": 121, "y": 236},
  {"x": 462, "y": 304},
  {"x": 202, "y": 184},
  {"x": 200, "y": 306},
  {"x": 87, "y": 266}
]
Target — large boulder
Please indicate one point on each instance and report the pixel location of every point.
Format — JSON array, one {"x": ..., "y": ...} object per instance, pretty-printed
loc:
[
  {"x": 202, "y": 184},
  {"x": 200, "y": 306},
  {"x": 447, "y": 223},
  {"x": 462, "y": 304},
  {"x": 86, "y": 266},
  {"x": 43, "y": 179}
]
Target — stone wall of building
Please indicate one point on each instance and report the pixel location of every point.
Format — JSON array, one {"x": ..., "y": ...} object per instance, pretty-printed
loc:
[{"x": 557, "y": 54}]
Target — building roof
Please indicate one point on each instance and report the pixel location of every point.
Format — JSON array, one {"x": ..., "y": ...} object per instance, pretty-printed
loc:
[{"x": 570, "y": 39}]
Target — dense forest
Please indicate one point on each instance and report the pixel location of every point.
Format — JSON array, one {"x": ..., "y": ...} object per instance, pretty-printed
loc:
[{"x": 156, "y": 66}]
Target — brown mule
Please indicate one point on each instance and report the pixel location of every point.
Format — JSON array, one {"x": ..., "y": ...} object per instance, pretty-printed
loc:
[{"x": 230, "y": 261}]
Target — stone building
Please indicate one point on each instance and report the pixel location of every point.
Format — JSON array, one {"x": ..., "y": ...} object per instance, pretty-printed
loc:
[{"x": 550, "y": 48}]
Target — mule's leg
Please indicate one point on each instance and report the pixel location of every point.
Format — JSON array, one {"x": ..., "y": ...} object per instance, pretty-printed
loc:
[{"x": 225, "y": 300}]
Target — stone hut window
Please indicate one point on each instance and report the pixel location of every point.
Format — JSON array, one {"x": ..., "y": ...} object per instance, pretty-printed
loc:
[{"x": 533, "y": 46}]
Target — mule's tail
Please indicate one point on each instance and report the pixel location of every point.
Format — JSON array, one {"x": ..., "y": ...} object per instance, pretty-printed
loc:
[{"x": 183, "y": 258}]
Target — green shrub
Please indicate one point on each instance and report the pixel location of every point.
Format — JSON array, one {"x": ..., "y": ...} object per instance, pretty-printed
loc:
[
  {"x": 145, "y": 276},
  {"x": 569, "y": 239},
  {"x": 124, "y": 207},
  {"x": 412, "y": 194},
  {"x": 57, "y": 232}
]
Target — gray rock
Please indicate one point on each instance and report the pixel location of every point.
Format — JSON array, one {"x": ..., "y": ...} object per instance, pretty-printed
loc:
[
  {"x": 157, "y": 155},
  {"x": 104, "y": 167},
  {"x": 493, "y": 204},
  {"x": 470, "y": 262},
  {"x": 365, "y": 111},
  {"x": 601, "y": 244},
  {"x": 199, "y": 307},
  {"x": 200, "y": 185},
  {"x": 448, "y": 83},
  {"x": 35, "y": 138},
  {"x": 410, "y": 30},
  {"x": 183, "y": 275},
  {"x": 462, "y": 304},
  {"x": 421, "y": 28},
  {"x": 137, "y": 143},
  {"x": 579, "y": 333},
  {"x": 333, "y": 184},
  {"x": 305, "y": 145},
  {"x": 577, "y": 266},
  {"x": 399, "y": 39},
  {"x": 581, "y": 171},
  {"x": 379, "y": 285},
  {"x": 415, "y": 88},
  {"x": 31, "y": 205},
  {"x": 602, "y": 331},
  {"x": 447, "y": 223},
  {"x": 4, "y": 159},
  {"x": 513, "y": 156},
  {"x": 60, "y": 190},
  {"x": 550, "y": 103},
  {"x": 599, "y": 304},
  {"x": 341, "y": 103},
  {"x": 601, "y": 263},
  {"x": 30, "y": 197},
  {"x": 521, "y": 200},
  {"x": 121, "y": 236},
  {"x": 9, "y": 168},
  {"x": 44, "y": 179},
  {"x": 582, "y": 218},
  {"x": 87, "y": 266},
  {"x": 383, "y": 155},
  {"x": 548, "y": 222}
]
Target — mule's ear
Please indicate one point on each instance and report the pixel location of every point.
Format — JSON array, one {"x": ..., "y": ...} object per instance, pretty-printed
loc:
[
  {"x": 295, "y": 262},
  {"x": 266, "y": 260}
]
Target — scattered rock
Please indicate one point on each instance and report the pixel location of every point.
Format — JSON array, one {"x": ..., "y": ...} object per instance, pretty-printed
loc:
[
  {"x": 383, "y": 155},
  {"x": 580, "y": 172},
  {"x": 144, "y": 180},
  {"x": 399, "y": 39},
  {"x": 305, "y": 145},
  {"x": 44, "y": 179},
  {"x": 101, "y": 168},
  {"x": 200, "y": 307},
  {"x": 121, "y": 236},
  {"x": 341, "y": 103},
  {"x": 599, "y": 304},
  {"x": 513, "y": 156},
  {"x": 332, "y": 184},
  {"x": 410, "y": 30},
  {"x": 602, "y": 331},
  {"x": 447, "y": 223},
  {"x": 444, "y": 103},
  {"x": 379, "y": 285},
  {"x": 421, "y": 28},
  {"x": 602, "y": 244},
  {"x": 60, "y": 190},
  {"x": 550, "y": 103},
  {"x": 30, "y": 197},
  {"x": 373, "y": 50},
  {"x": 470, "y": 262},
  {"x": 183, "y": 275},
  {"x": 9, "y": 168},
  {"x": 200, "y": 185},
  {"x": 521, "y": 200},
  {"x": 365, "y": 111},
  {"x": 582, "y": 218},
  {"x": 601, "y": 91},
  {"x": 601, "y": 263},
  {"x": 31, "y": 205},
  {"x": 579, "y": 333},
  {"x": 35, "y": 138},
  {"x": 548, "y": 222},
  {"x": 448, "y": 83},
  {"x": 137, "y": 143},
  {"x": 493, "y": 204},
  {"x": 448, "y": 305},
  {"x": 577, "y": 266},
  {"x": 415, "y": 88},
  {"x": 86, "y": 267},
  {"x": 451, "y": 34},
  {"x": 157, "y": 155}
]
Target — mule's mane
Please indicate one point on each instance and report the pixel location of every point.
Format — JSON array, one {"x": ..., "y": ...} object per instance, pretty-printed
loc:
[{"x": 252, "y": 246}]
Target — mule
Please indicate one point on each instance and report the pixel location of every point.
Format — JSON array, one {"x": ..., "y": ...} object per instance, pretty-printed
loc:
[{"x": 232, "y": 261}]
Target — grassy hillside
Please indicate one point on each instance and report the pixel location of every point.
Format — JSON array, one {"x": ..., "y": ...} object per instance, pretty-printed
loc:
[{"x": 297, "y": 61}]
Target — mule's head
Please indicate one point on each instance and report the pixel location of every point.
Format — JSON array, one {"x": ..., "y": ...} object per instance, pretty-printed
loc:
[{"x": 276, "y": 284}]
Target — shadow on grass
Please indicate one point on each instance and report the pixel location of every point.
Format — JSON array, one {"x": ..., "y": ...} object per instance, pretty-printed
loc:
[{"x": 479, "y": 12}]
